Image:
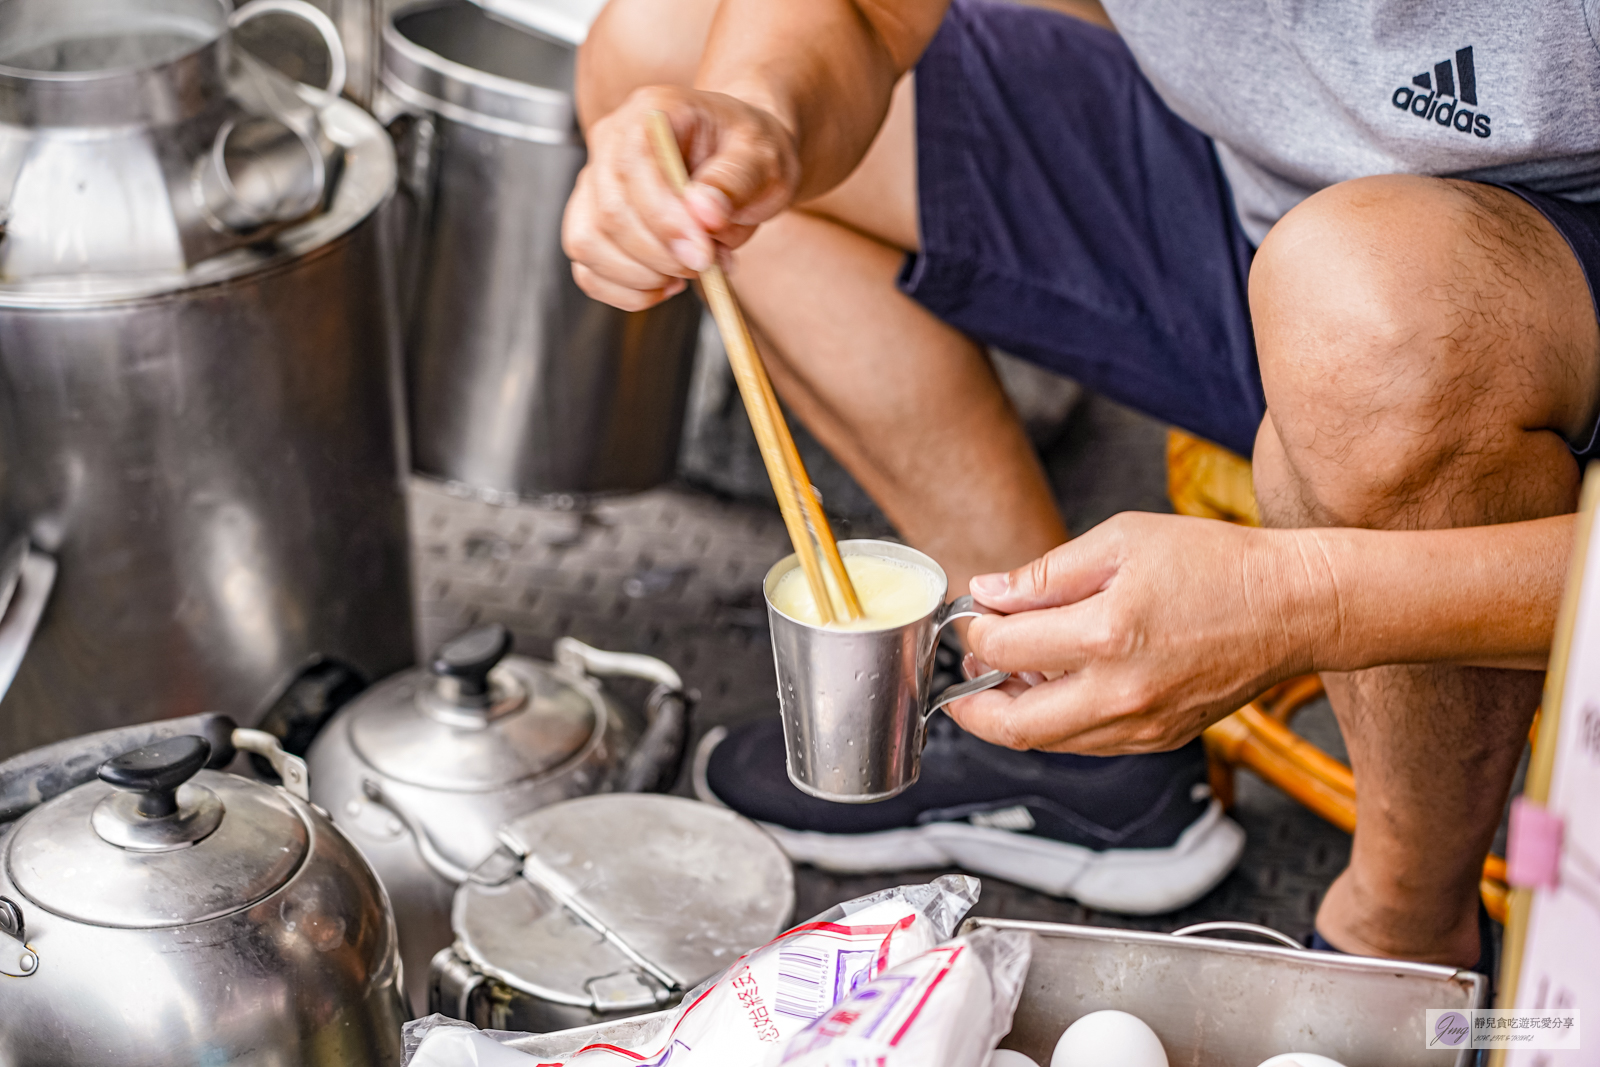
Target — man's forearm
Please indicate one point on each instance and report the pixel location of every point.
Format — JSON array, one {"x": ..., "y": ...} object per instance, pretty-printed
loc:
[
  {"x": 825, "y": 68},
  {"x": 1484, "y": 596}
]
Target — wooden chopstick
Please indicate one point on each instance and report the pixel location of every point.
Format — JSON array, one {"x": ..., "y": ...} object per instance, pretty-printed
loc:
[{"x": 802, "y": 512}]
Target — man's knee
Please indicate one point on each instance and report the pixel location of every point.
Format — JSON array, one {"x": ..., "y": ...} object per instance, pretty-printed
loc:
[
  {"x": 634, "y": 43},
  {"x": 1405, "y": 332}
]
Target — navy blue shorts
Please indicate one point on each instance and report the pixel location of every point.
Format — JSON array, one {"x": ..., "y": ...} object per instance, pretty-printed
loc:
[{"x": 1070, "y": 218}]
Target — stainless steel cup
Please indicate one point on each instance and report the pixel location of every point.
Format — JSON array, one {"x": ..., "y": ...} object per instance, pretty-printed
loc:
[{"x": 855, "y": 703}]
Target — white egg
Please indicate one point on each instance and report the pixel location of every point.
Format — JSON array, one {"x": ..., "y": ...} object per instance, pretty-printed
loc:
[
  {"x": 1301, "y": 1059},
  {"x": 1004, "y": 1057},
  {"x": 1109, "y": 1039}
]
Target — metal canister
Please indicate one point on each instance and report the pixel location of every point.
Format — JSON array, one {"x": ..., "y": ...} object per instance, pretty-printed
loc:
[
  {"x": 520, "y": 386},
  {"x": 607, "y": 907},
  {"x": 196, "y": 361}
]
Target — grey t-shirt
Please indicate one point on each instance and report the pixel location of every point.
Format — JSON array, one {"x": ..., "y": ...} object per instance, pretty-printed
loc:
[{"x": 1301, "y": 94}]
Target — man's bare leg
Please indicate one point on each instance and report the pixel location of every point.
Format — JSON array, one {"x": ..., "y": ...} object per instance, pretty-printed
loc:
[
  {"x": 910, "y": 407},
  {"x": 1425, "y": 346}
]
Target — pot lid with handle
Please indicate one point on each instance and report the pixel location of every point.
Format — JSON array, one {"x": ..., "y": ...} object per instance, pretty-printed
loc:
[
  {"x": 676, "y": 890},
  {"x": 157, "y": 842},
  {"x": 477, "y": 719}
]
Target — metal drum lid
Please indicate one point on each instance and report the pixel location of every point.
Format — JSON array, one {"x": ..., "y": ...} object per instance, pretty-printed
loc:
[
  {"x": 548, "y": 717},
  {"x": 59, "y": 862},
  {"x": 624, "y": 901}
]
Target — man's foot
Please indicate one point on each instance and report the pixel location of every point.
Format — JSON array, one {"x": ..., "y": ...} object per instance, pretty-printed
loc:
[
  {"x": 1131, "y": 834},
  {"x": 1488, "y": 963}
]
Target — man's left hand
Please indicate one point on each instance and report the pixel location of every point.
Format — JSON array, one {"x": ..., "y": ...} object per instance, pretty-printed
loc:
[{"x": 1141, "y": 633}]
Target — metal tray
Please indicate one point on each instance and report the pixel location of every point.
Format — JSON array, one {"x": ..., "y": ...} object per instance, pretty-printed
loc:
[
  {"x": 1217, "y": 1003},
  {"x": 1213, "y": 1002}
]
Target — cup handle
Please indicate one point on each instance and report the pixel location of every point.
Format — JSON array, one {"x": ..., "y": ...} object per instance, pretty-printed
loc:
[
  {"x": 964, "y": 607},
  {"x": 965, "y": 689},
  {"x": 338, "y": 65}
]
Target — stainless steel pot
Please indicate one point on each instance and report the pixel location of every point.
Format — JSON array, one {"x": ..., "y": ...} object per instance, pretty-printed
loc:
[
  {"x": 606, "y": 907},
  {"x": 196, "y": 366},
  {"x": 166, "y": 913},
  {"x": 520, "y": 386},
  {"x": 423, "y": 769}
]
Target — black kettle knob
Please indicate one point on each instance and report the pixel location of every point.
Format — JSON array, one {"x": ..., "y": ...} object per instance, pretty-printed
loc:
[
  {"x": 157, "y": 770},
  {"x": 469, "y": 657}
]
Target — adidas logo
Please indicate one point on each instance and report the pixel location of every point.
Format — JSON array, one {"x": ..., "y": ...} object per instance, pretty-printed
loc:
[{"x": 1440, "y": 94}]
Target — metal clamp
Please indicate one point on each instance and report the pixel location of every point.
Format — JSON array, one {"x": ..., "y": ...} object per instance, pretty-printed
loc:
[
  {"x": 1225, "y": 927},
  {"x": 15, "y": 963},
  {"x": 290, "y": 768}
]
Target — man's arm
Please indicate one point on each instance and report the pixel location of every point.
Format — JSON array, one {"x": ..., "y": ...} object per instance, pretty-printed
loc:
[
  {"x": 787, "y": 100},
  {"x": 1159, "y": 626}
]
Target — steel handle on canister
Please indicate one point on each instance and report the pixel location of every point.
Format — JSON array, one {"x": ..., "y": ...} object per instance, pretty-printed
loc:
[
  {"x": 1229, "y": 927},
  {"x": 338, "y": 63},
  {"x": 964, "y": 607}
]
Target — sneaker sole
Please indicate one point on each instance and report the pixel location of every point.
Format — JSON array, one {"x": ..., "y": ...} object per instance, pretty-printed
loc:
[{"x": 1131, "y": 881}]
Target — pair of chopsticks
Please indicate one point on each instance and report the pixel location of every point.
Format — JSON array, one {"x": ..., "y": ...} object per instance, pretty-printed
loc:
[{"x": 802, "y": 512}]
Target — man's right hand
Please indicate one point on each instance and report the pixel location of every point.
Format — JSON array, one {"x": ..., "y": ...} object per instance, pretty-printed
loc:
[{"x": 632, "y": 240}]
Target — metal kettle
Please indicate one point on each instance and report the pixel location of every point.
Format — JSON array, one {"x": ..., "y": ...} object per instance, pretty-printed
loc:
[
  {"x": 423, "y": 769},
  {"x": 163, "y": 912}
]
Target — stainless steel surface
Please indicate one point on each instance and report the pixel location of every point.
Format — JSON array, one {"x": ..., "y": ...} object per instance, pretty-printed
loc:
[
  {"x": 675, "y": 890},
  {"x": 423, "y": 769},
  {"x": 520, "y": 385},
  {"x": 855, "y": 702},
  {"x": 205, "y": 423},
  {"x": 1230, "y": 1004},
  {"x": 268, "y": 942}
]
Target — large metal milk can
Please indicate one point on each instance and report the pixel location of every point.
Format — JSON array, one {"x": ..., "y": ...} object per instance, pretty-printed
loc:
[
  {"x": 520, "y": 386},
  {"x": 196, "y": 369}
]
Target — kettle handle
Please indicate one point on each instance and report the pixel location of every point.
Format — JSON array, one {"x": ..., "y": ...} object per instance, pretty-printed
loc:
[
  {"x": 655, "y": 762},
  {"x": 338, "y": 64}
]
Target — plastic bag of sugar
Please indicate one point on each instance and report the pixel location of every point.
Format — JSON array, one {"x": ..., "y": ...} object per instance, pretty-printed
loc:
[
  {"x": 767, "y": 996},
  {"x": 948, "y": 1007}
]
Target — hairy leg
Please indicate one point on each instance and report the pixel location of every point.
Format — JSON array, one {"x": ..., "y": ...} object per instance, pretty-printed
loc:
[
  {"x": 909, "y": 406},
  {"x": 1425, "y": 346}
]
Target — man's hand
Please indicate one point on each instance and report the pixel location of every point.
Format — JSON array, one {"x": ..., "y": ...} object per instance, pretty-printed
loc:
[
  {"x": 632, "y": 240},
  {"x": 1149, "y": 628}
]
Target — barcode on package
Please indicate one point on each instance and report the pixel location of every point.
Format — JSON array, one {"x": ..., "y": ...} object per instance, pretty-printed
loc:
[{"x": 805, "y": 982}]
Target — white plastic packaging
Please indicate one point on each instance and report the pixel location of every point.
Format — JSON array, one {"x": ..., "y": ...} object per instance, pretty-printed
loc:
[
  {"x": 767, "y": 996},
  {"x": 948, "y": 1007}
]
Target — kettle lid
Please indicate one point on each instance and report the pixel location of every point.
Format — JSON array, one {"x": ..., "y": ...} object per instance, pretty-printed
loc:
[
  {"x": 157, "y": 842},
  {"x": 686, "y": 887},
  {"x": 477, "y": 718}
]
